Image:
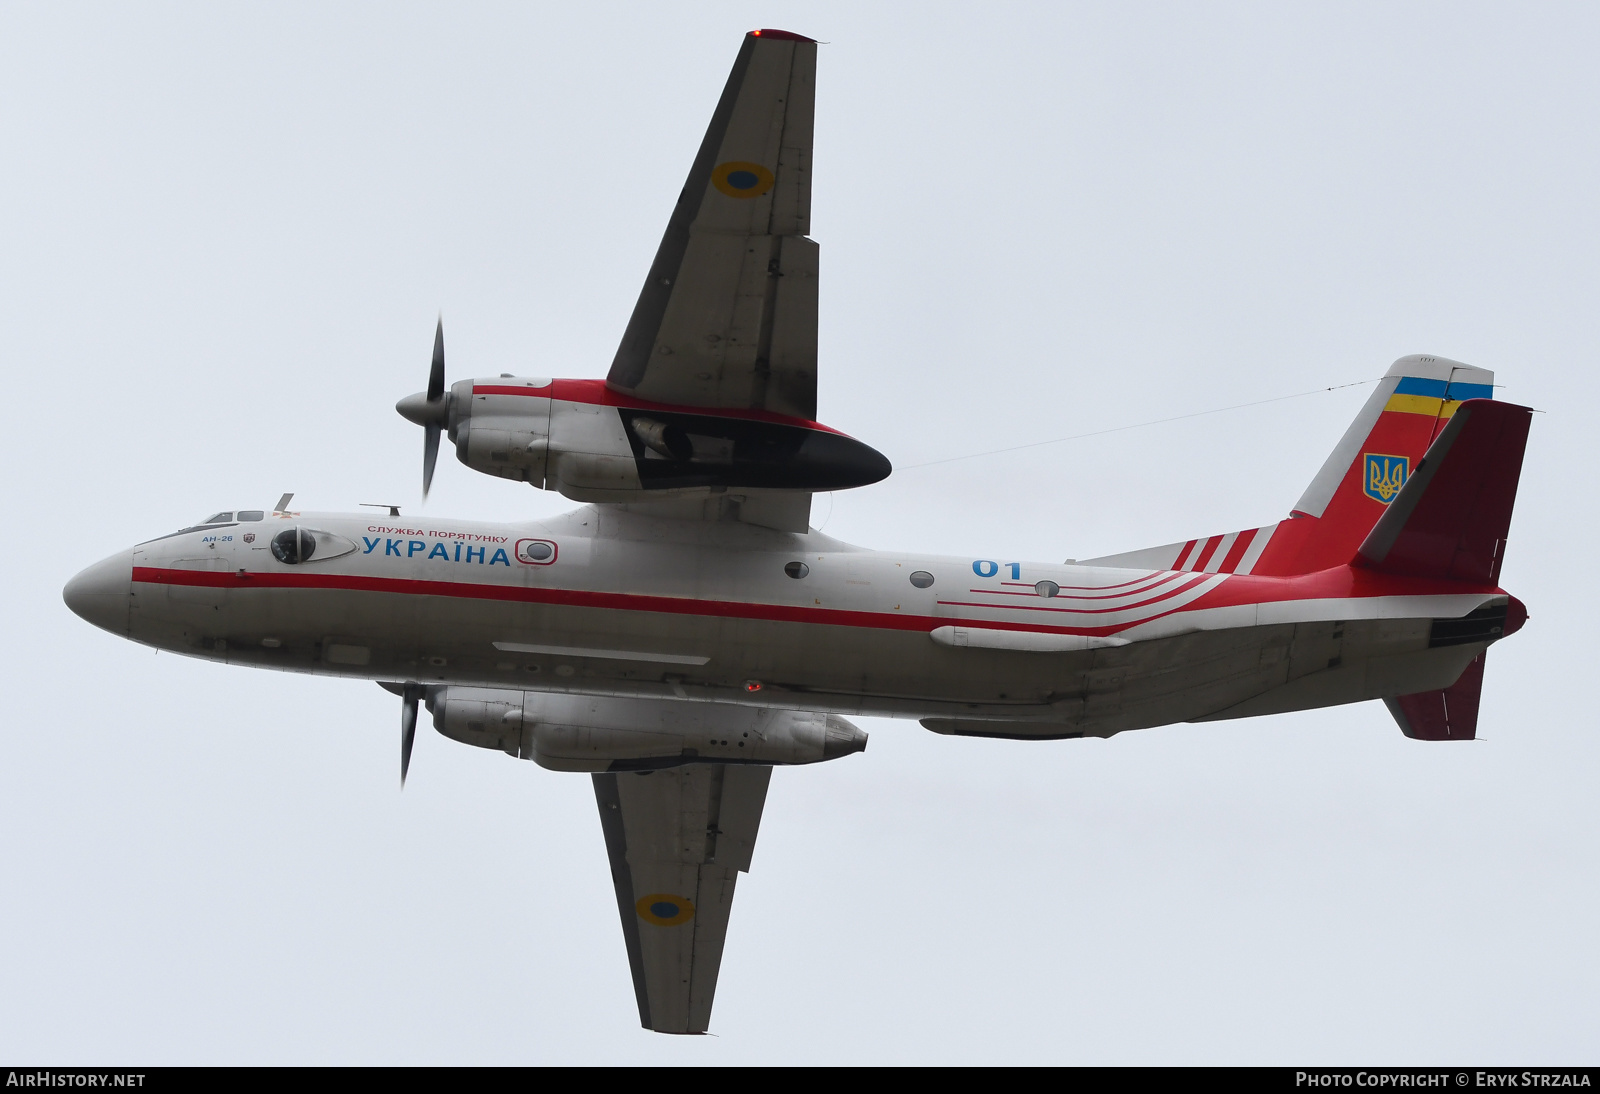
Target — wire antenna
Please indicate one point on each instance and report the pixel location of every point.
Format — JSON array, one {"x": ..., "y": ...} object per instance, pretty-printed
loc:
[{"x": 1135, "y": 425}]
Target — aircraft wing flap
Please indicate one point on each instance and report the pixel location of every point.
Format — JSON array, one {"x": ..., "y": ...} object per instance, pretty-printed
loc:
[
  {"x": 727, "y": 316},
  {"x": 792, "y": 349},
  {"x": 677, "y": 839}
]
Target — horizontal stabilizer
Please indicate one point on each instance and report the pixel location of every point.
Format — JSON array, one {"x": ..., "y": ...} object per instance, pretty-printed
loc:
[
  {"x": 1447, "y": 715},
  {"x": 1451, "y": 517}
]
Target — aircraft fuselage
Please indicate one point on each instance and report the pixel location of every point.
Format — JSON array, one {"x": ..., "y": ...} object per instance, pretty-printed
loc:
[{"x": 607, "y": 602}]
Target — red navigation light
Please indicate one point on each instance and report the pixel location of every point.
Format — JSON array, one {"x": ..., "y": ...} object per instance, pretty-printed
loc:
[
  {"x": 752, "y": 685},
  {"x": 782, "y": 35}
]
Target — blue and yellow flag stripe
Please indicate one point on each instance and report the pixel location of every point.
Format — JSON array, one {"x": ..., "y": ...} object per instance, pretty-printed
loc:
[{"x": 1435, "y": 398}]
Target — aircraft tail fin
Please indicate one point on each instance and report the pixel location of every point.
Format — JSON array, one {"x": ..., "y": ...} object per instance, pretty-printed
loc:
[{"x": 1366, "y": 472}]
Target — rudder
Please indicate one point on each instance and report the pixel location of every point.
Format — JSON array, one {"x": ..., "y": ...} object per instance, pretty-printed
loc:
[
  {"x": 1450, "y": 522},
  {"x": 1451, "y": 519}
]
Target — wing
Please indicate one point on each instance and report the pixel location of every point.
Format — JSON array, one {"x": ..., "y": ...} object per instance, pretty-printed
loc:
[
  {"x": 728, "y": 314},
  {"x": 677, "y": 839}
]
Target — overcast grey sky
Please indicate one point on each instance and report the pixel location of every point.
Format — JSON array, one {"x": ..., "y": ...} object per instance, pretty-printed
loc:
[{"x": 225, "y": 233}]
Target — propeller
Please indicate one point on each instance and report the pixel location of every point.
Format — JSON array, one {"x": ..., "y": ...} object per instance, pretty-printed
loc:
[
  {"x": 430, "y": 409},
  {"x": 410, "y": 696}
]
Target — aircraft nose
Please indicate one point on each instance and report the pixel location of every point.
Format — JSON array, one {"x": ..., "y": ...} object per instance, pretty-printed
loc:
[{"x": 103, "y": 593}]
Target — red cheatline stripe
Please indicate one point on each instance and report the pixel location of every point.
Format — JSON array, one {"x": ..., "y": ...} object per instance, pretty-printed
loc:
[
  {"x": 1167, "y": 595},
  {"x": 1151, "y": 583},
  {"x": 672, "y": 605},
  {"x": 1206, "y": 553},
  {"x": 1337, "y": 582},
  {"x": 1160, "y": 575},
  {"x": 596, "y": 393},
  {"x": 1236, "y": 552}
]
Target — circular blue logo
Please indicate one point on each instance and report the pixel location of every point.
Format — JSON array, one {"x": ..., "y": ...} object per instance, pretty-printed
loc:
[
  {"x": 741, "y": 179},
  {"x": 664, "y": 909}
]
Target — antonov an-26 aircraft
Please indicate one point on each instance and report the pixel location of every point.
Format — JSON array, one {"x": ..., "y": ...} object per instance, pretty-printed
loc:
[{"x": 686, "y": 630}]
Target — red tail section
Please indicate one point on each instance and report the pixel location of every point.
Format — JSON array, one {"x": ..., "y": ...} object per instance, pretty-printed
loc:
[
  {"x": 1450, "y": 522},
  {"x": 1382, "y": 449},
  {"x": 1422, "y": 485},
  {"x": 1410, "y": 407},
  {"x": 1451, "y": 519}
]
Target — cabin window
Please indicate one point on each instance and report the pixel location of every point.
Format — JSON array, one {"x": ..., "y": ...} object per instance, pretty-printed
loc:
[
  {"x": 797, "y": 570},
  {"x": 1047, "y": 588},
  {"x": 921, "y": 579}
]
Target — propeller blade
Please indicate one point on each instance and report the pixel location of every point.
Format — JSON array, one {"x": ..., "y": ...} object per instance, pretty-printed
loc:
[
  {"x": 408, "y": 727},
  {"x": 430, "y": 409},
  {"x": 436, "y": 374},
  {"x": 430, "y": 456}
]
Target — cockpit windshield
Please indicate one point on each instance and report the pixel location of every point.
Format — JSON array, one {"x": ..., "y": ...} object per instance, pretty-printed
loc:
[{"x": 217, "y": 520}]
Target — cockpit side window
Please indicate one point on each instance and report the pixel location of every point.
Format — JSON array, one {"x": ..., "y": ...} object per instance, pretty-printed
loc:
[
  {"x": 218, "y": 518},
  {"x": 252, "y": 515}
]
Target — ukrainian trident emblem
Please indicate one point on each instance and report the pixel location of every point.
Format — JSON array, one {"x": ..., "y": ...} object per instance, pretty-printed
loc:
[{"x": 1384, "y": 476}]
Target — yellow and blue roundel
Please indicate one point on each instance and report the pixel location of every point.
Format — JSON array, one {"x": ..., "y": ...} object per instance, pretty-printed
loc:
[
  {"x": 1383, "y": 476},
  {"x": 664, "y": 909},
  {"x": 738, "y": 179}
]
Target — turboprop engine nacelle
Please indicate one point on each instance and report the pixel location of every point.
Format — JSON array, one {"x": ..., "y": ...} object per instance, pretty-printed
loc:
[
  {"x": 590, "y": 443},
  {"x": 580, "y": 733}
]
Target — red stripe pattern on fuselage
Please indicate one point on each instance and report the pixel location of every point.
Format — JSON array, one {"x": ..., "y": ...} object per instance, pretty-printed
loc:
[{"x": 1344, "y": 582}]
